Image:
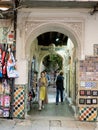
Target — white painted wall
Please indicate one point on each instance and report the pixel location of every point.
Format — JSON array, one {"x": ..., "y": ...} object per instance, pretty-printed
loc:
[
  {"x": 23, "y": 72},
  {"x": 91, "y": 33}
]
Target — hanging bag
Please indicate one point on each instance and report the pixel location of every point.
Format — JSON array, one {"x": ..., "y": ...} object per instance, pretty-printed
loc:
[{"x": 11, "y": 67}]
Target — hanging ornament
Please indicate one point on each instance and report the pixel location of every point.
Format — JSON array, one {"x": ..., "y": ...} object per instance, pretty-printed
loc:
[{"x": 11, "y": 37}]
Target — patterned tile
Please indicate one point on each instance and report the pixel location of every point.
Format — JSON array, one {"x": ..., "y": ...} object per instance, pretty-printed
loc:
[
  {"x": 82, "y": 83},
  {"x": 88, "y": 84},
  {"x": 87, "y": 114},
  {"x": 19, "y": 102}
]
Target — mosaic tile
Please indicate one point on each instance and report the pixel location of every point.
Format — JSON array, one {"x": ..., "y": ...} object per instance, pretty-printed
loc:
[
  {"x": 88, "y": 84},
  {"x": 82, "y": 83},
  {"x": 19, "y": 102},
  {"x": 87, "y": 114}
]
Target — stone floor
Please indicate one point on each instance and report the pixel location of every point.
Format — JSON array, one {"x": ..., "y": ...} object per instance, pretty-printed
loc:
[
  {"x": 47, "y": 123},
  {"x": 51, "y": 109}
]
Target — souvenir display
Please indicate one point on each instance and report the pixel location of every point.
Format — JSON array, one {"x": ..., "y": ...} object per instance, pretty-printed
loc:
[
  {"x": 88, "y": 88},
  {"x": 1, "y": 112},
  {"x": 82, "y": 92},
  {"x": 81, "y": 101},
  {"x": 88, "y": 101},
  {"x": 88, "y": 92},
  {"x": 94, "y": 93},
  {"x": 6, "y": 86},
  {"x": 5, "y": 112},
  {"x": 11, "y": 67},
  {"x": 1, "y": 100},
  {"x": 7, "y": 71},
  {"x": 88, "y": 84},
  {"x": 82, "y": 83},
  {"x": 7, "y": 101},
  {"x": 0, "y": 62},
  {"x": 96, "y": 49},
  {"x": 94, "y": 101},
  {"x": 1, "y": 88}
]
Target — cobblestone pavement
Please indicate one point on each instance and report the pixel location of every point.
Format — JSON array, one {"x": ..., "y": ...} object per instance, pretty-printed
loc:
[{"x": 46, "y": 123}]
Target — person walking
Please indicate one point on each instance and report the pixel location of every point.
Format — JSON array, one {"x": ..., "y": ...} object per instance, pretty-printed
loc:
[
  {"x": 59, "y": 87},
  {"x": 42, "y": 90}
]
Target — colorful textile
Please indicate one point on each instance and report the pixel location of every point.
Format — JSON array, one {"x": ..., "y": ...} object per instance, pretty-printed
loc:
[{"x": 11, "y": 67}]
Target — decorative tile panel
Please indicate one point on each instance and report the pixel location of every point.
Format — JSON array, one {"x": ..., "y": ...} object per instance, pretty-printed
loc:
[
  {"x": 87, "y": 114},
  {"x": 96, "y": 49},
  {"x": 19, "y": 102}
]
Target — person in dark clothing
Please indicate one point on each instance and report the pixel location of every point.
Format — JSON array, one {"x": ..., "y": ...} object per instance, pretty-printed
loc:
[{"x": 59, "y": 87}]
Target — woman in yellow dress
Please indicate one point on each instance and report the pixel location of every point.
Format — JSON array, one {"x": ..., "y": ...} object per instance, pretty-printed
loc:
[{"x": 42, "y": 90}]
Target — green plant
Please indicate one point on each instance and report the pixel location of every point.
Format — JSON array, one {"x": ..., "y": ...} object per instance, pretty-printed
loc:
[{"x": 52, "y": 62}]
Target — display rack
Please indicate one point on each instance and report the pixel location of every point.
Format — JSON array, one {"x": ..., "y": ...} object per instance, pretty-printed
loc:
[
  {"x": 88, "y": 88},
  {"x": 8, "y": 73}
]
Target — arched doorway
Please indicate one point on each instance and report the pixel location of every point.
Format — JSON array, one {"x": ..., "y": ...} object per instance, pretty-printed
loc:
[
  {"x": 57, "y": 27},
  {"x": 69, "y": 88}
]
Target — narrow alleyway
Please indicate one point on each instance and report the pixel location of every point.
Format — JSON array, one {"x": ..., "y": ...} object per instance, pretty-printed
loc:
[{"x": 51, "y": 109}]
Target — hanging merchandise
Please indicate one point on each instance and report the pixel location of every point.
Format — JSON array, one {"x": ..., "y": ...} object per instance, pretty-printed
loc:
[
  {"x": 1, "y": 88},
  {"x": 4, "y": 71},
  {"x": 6, "y": 101},
  {"x": 3, "y": 54},
  {"x": 0, "y": 62},
  {"x": 7, "y": 74},
  {"x": 7, "y": 70},
  {"x": 6, "y": 86},
  {"x": 1, "y": 112},
  {"x": 11, "y": 67},
  {"x": 11, "y": 37},
  {"x": 6, "y": 112},
  {"x": 1, "y": 100}
]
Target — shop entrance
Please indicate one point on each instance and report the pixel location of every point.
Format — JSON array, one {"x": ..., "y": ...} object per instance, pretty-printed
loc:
[{"x": 57, "y": 52}]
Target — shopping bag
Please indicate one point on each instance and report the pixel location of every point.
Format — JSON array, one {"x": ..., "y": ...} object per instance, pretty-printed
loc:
[{"x": 11, "y": 67}]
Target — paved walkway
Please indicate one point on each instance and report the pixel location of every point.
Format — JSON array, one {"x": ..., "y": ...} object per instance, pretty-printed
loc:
[{"x": 46, "y": 123}]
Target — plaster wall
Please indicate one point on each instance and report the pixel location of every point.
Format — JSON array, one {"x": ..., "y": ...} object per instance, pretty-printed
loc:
[{"x": 91, "y": 33}]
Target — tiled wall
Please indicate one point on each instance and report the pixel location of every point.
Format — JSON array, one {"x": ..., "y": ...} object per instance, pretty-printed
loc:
[
  {"x": 88, "y": 88},
  {"x": 19, "y": 102}
]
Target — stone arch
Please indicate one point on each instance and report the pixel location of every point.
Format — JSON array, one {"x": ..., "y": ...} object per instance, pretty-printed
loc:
[
  {"x": 58, "y": 27},
  {"x": 46, "y": 54}
]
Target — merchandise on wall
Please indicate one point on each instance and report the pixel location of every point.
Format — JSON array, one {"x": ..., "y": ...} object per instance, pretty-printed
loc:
[
  {"x": 7, "y": 73},
  {"x": 88, "y": 88}
]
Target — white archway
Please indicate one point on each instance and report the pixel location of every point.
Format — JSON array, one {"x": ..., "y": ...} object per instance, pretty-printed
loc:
[{"x": 58, "y": 27}]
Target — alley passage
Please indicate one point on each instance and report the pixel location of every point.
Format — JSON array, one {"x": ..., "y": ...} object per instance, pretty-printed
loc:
[{"x": 51, "y": 109}]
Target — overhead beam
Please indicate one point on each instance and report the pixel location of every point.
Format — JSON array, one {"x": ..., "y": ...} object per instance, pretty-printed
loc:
[{"x": 59, "y": 3}]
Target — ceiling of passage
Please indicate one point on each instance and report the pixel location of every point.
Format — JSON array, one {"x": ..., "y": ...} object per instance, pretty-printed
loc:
[
  {"x": 59, "y": 3},
  {"x": 49, "y": 38}
]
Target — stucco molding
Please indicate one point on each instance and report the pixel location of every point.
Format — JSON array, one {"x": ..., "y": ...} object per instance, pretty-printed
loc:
[{"x": 77, "y": 27}]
